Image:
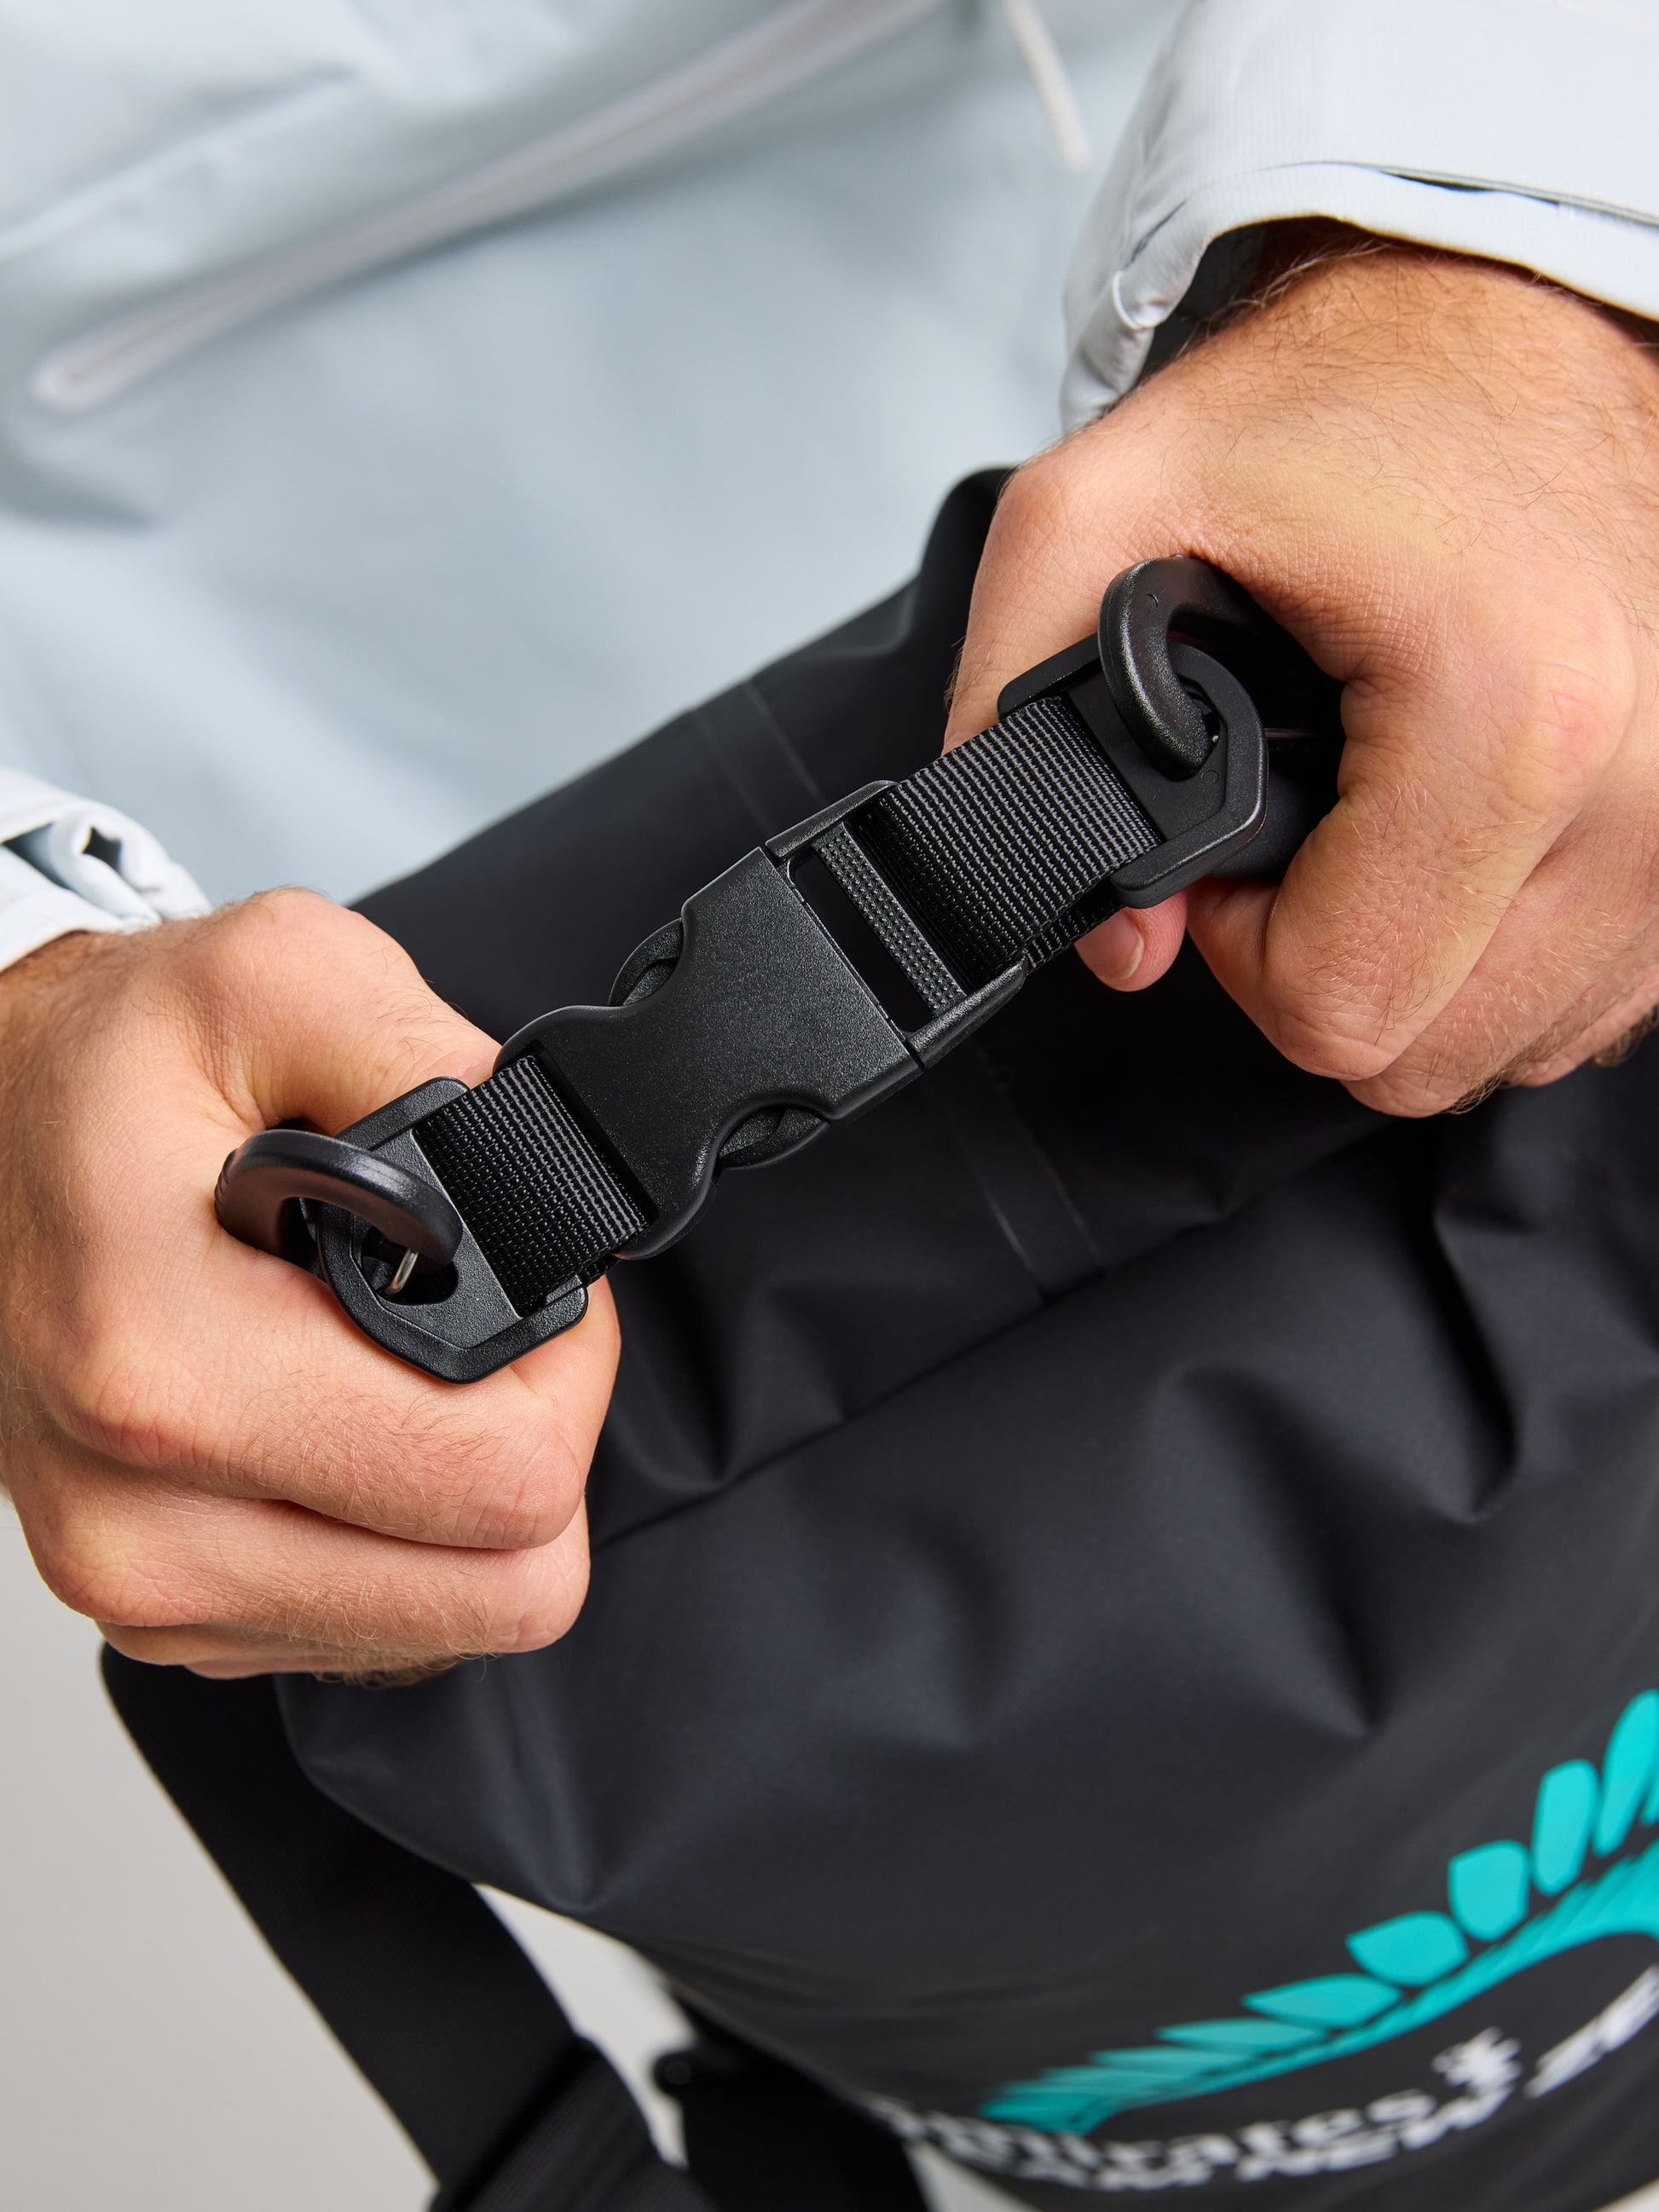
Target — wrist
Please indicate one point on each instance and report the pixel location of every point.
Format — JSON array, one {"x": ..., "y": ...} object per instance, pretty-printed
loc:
[
  {"x": 1264, "y": 111},
  {"x": 1337, "y": 267},
  {"x": 41, "y": 995}
]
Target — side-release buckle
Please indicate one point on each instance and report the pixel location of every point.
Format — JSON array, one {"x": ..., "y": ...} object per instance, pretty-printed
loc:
[
  {"x": 745, "y": 1020},
  {"x": 795, "y": 990}
]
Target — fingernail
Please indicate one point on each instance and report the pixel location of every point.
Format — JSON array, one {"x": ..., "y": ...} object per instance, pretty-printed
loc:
[{"x": 1116, "y": 949}]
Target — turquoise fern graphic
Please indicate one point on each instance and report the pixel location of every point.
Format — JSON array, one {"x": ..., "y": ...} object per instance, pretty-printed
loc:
[{"x": 1511, "y": 1906}]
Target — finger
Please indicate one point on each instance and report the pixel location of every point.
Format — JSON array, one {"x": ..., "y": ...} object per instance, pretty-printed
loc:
[
  {"x": 1524, "y": 1012},
  {"x": 1136, "y": 945},
  {"x": 1457, "y": 779},
  {"x": 363, "y": 1670},
  {"x": 221, "y": 1652},
  {"x": 231, "y": 1370},
  {"x": 177, "y": 1579},
  {"x": 1609, "y": 1041},
  {"x": 1569, "y": 970}
]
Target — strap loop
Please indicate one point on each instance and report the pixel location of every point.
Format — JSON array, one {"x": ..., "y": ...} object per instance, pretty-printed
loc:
[{"x": 587, "y": 2150}]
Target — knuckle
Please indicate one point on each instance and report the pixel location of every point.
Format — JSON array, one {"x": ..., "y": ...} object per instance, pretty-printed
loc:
[
  {"x": 1409, "y": 1094},
  {"x": 539, "y": 1605},
  {"x": 1325, "y": 1018},
  {"x": 1569, "y": 723},
  {"x": 1032, "y": 488},
  {"x": 1037, "y": 501},
  {"x": 287, "y": 908},
  {"x": 111, "y": 1401},
  {"x": 243, "y": 934},
  {"x": 1567, "y": 703},
  {"x": 108, "y": 1580},
  {"x": 233, "y": 956},
  {"x": 153, "y": 1647},
  {"x": 491, "y": 1605},
  {"x": 1351, "y": 985},
  {"x": 512, "y": 1487},
  {"x": 479, "y": 1474},
  {"x": 1315, "y": 1039},
  {"x": 202, "y": 1649},
  {"x": 272, "y": 969}
]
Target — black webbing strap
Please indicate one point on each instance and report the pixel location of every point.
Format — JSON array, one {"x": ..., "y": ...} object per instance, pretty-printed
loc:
[
  {"x": 531, "y": 1185},
  {"x": 997, "y": 845},
  {"x": 999, "y": 850},
  {"x": 761, "y": 2138},
  {"x": 585, "y": 2149},
  {"x": 450, "y": 2022}
]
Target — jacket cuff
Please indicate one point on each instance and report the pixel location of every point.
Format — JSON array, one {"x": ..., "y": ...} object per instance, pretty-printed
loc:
[
  {"x": 70, "y": 864},
  {"x": 1465, "y": 124}
]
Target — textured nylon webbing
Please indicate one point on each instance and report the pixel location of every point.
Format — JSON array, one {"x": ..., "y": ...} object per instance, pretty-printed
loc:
[
  {"x": 851, "y": 867},
  {"x": 542, "y": 1204},
  {"x": 999, "y": 850},
  {"x": 995, "y": 847}
]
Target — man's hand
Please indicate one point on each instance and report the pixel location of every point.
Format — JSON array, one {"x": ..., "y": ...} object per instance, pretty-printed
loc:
[
  {"x": 1444, "y": 478},
  {"x": 204, "y": 1455}
]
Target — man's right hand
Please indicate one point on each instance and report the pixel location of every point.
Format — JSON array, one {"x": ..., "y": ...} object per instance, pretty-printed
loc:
[{"x": 205, "y": 1456}]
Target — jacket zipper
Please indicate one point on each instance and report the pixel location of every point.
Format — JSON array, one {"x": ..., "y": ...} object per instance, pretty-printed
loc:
[{"x": 786, "y": 49}]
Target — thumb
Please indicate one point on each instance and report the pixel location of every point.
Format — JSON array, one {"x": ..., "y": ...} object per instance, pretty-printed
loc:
[{"x": 314, "y": 1014}]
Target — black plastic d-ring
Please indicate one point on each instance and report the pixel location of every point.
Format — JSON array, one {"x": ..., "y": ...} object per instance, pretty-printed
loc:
[
  {"x": 1136, "y": 618},
  {"x": 258, "y": 1179}
]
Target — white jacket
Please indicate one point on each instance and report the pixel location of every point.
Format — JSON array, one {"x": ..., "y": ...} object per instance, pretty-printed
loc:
[{"x": 404, "y": 401}]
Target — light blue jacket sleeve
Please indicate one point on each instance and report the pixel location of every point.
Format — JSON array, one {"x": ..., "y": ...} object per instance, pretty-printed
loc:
[
  {"x": 69, "y": 864},
  {"x": 1521, "y": 130}
]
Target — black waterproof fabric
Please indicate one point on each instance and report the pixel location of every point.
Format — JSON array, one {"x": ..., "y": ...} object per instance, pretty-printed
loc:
[{"x": 1123, "y": 1623}]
